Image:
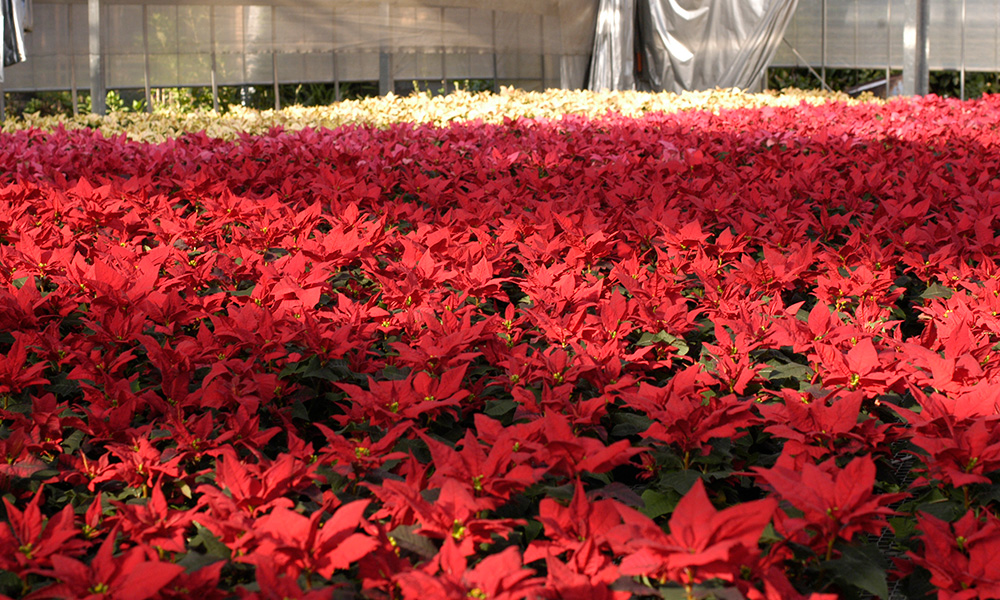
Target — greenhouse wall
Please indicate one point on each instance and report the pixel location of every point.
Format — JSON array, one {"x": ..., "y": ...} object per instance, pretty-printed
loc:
[
  {"x": 531, "y": 44},
  {"x": 868, "y": 34}
]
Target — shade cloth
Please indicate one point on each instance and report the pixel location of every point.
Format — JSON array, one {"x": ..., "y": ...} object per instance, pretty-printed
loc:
[{"x": 681, "y": 45}]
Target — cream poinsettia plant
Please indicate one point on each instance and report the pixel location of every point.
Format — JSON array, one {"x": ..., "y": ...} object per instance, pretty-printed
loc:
[{"x": 420, "y": 108}]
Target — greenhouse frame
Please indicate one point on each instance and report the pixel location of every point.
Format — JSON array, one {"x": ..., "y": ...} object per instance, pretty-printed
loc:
[{"x": 533, "y": 44}]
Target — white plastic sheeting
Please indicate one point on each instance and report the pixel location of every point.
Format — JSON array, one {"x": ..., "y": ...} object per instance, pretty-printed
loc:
[
  {"x": 686, "y": 44},
  {"x": 612, "y": 66},
  {"x": 706, "y": 44},
  {"x": 12, "y": 22}
]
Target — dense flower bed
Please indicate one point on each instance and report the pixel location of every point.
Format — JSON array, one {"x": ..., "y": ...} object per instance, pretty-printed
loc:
[
  {"x": 418, "y": 108},
  {"x": 749, "y": 354}
]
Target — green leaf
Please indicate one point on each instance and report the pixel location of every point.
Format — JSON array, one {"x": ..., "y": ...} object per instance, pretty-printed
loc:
[
  {"x": 315, "y": 368},
  {"x": 679, "y": 481},
  {"x": 341, "y": 369},
  {"x": 903, "y": 527},
  {"x": 656, "y": 504},
  {"x": 532, "y": 530},
  {"x": 770, "y": 535},
  {"x": 299, "y": 411},
  {"x": 10, "y": 584},
  {"x": 936, "y": 290},
  {"x": 897, "y": 313},
  {"x": 673, "y": 593},
  {"x": 159, "y": 434},
  {"x": 20, "y": 405},
  {"x": 71, "y": 443},
  {"x": 192, "y": 561},
  {"x": 499, "y": 408},
  {"x": 211, "y": 543},
  {"x": 245, "y": 292},
  {"x": 627, "y": 424},
  {"x": 63, "y": 387},
  {"x": 558, "y": 492},
  {"x": 944, "y": 510},
  {"x": 490, "y": 391},
  {"x": 787, "y": 371},
  {"x": 989, "y": 494},
  {"x": 394, "y": 373},
  {"x": 295, "y": 368},
  {"x": 701, "y": 592},
  {"x": 406, "y": 539},
  {"x": 862, "y": 567},
  {"x": 648, "y": 339},
  {"x": 19, "y": 283},
  {"x": 44, "y": 474}
]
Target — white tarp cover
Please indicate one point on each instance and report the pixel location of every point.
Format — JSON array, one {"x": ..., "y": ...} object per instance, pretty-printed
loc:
[
  {"x": 686, "y": 44},
  {"x": 12, "y": 14},
  {"x": 612, "y": 66}
]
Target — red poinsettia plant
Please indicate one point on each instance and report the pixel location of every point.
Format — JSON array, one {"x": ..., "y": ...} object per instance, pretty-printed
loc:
[{"x": 750, "y": 354}]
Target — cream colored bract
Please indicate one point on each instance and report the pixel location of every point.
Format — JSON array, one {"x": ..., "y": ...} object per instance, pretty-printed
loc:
[{"x": 422, "y": 108}]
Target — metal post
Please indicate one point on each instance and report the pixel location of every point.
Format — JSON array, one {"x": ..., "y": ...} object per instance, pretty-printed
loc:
[
  {"x": 541, "y": 39},
  {"x": 822, "y": 71},
  {"x": 336, "y": 79},
  {"x": 801, "y": 59},
  {"x": 211, "y": 34},
  {"x": 3, "y": 104},
  {"x": 857, "y": 24},
  {"x": 274, "y": 59},
  {"x": 496, "y": 83},
  {"x": 73, "y": 92},
  {"x": 444, "y": 66},
  {"x": 385, "y": 82},
  {"x": 888, "y": 47},
  {"x": 98, "y": 92},
  {"x": 244, "y": 91},
  {"x": 336, "y": 69},
  {"x": 916, "y": 75},
  {"x": 145, "y": 62},
  {"x": 961, "y": 75}
]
